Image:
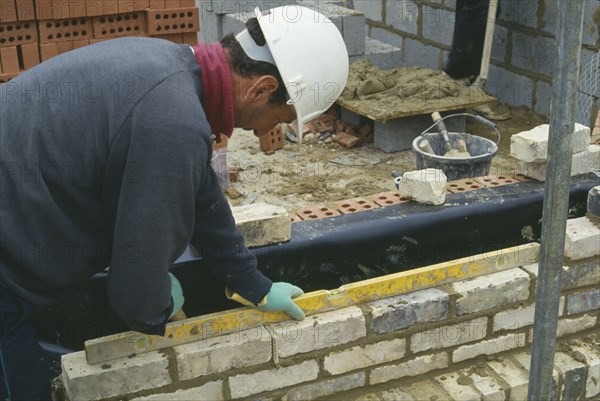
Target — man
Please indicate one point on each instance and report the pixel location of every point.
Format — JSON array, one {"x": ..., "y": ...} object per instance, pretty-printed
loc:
[{"x": 105, "y": 156}]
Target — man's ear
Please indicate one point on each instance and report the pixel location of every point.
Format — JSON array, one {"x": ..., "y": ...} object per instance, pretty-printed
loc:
[{"x": 262, "y": 88}]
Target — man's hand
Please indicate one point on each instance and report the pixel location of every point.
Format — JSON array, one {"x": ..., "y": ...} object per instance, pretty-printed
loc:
[
  {"x": 280, "y": 297},
  {"x": 177, "y": 297}
]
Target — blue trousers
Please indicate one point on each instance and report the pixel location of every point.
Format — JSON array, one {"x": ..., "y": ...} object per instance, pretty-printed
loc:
[{"x": 24, "y": 365}]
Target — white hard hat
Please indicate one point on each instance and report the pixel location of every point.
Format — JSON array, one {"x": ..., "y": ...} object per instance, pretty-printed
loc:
[{"x": 310, "y": 54}]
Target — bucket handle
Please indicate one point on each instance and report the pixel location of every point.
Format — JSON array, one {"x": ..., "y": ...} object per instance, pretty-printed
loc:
[{"x": 480, "y": 119}]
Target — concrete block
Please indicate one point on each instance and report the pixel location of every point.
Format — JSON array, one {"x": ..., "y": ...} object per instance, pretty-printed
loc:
[
  {"x": 319, "y": 331},
  {"x": 245, "y": 385},
  {"x": 364, "y": 356},
  {"x": 399, "y": 134},
  {"x": 372, "y": 10},
  {"x": 403, "y": 15},
  {"x": 576, "y": 274},
  {"x": 533, "y": 53},
  {"x": 591, "y": 356},
  {"x": 449, "y": 336},
  {"x": 583, "y": 301},
  {"x": 262, "y": 224},
  {"x": 489, "y": 386},
  {"x": 523, "y": 360},
  {"x": 573, "y": 376},
  {"x": 582, "y": 163},
  {"x": 403, "y": 311},
  {"x": 570, "y": 326},
  {"x": 516, "y": 377},
  {"x": 532, "y": 145},
  {"x": 421, "y": 55},
  {"x": 412, "y": 368},
  {"x": 427, "y": 390},
  {"x": 350, "y": 117},
  {"x": 211, "y": 23},
  {"x": 438, "y": 24},
  {"x": 520, "y": 12},
  {"x": 116, "y": 378},
  {"x": 386, "y": 36},
  {"x": 424, "y": 186},
  {"x": 458, "y": 387},
  {"x": 489, "y": 347},
  {"x": 489, "y": 291},
  {"x": 500, "y": 43},
  {"x": 211, "y": 391},
  {"x": 327, "y": 387},
  {"x": 543, "y": 98},
  {"x": 508, "y": 87},
  {"x": 219, "y": 354},
  {"x": 380, "y": 54},
  {"x": 582, "y": 239},
  {"x": 513, "y": 319},
  {"x": 593, "y": 201}
]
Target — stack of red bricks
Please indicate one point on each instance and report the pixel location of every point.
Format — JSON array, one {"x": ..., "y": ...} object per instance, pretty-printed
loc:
[{"x": 32, "y": 31}]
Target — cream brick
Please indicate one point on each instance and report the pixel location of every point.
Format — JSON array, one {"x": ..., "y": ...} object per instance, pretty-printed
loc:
[
  {"x": 489, "y": 347},
  {"x": 523, "y": 360},
  {"x": 327, "y": 387},
  {"x": 570, "y": 326},
  {"x": 457, "y": 389},
  {"x": 245, "y": 385},
  {"x": 532, "y": 145},
  {"x": 319, "y": 331},
  {"x": 576, "y": 274},
  {"x": 489, "y": 387},
  {"x": 364, "y": 356},
  {"x": 414, "y": 367},
  {"x": 449, "y": 336},
  {"x": 218, "y": 354},
  {"x": 211, "y": 391},
  {"x": 492, "y": 290},
  {"x": 582, "y": 163},
  {"x": 591, "y": 356},
  {"x": 119, "y": 377},
  {"x": 515, "y": 376},
  {"x": 424, "y": 186},
  {"x": 582, "y": 239},
  {"x": 583, "y": 301},
  {"x": 513, "y": 319},
  {"x": 262, "y": 224},
  {"x": 573, "y": 374}
]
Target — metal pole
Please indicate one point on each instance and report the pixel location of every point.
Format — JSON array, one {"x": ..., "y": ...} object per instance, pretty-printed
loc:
[{"x": 556, "y": 198}]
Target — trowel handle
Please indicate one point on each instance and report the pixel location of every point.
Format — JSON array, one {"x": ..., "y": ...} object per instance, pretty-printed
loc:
[{"x": 439, "y": 122}]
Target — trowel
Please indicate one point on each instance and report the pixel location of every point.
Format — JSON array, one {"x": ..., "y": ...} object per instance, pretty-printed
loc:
[{"x": 461, "y": 151}]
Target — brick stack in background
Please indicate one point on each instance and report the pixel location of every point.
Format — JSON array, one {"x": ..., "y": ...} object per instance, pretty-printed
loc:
[{"x": 32, "y": 31}]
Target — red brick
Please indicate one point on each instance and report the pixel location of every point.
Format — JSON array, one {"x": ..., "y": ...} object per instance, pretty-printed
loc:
[
  {"x": 187, "y": 3},
  {"x": 80, "y": 43},
  {"x": 388, "y": 198},
  {"x": 491, "y": 181},
  {"x": 10, "y": 60},
  {"x": 173, "y": 37},
  {"x": 141, "y": 5},
  {"x": 110, "y": 7},
  {"x": 295, "y": 218},
  {"x": 66, "y": 30},
  {"x": 60, "y": 9},
  {"x": 190, "y": 38},
  {"x": 173, "y": 4},
  {"x": 31, "y": 55},
  {"x": 18, "y": 33},
  {"x": 355, "y": 205},
  {"x": 64, "y": 47},
  {"x": 173, "y": 20},
  {"x": 8, "y": 11},
  {"x": 114, "y": 26},
  {"x": 43, "y": 9},
  {"x": 77, "y": 8},
  {"x": 93, "y": 8},
  {"x": 25, "y": 10},
  {"x": 273, "y": 140},
  {"x": 0, "y": 64},
  {"x": 156, "y": 4},
  {"x": 125, "y": 6},
  {"x": 317, "y": 212},
  {"x": 465, "y": 185},
  {"x": 48, "y": 50},
  {"x": 7, "y": 77},
  {"x": 347, "y": 140}
]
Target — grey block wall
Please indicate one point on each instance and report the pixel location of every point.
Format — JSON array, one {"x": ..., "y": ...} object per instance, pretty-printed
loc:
[{"x": 522, "y": 58}]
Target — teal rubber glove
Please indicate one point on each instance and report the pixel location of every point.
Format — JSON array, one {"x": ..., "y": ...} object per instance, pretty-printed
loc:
[
  {"x": 176, "y": 295},
  {"x": 280, "y": 297}
]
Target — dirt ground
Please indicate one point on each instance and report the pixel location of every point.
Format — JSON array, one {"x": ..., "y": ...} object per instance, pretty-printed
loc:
[{"x": 298, "y": 176}]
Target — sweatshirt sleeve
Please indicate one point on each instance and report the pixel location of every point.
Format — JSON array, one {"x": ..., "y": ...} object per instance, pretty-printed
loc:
[{"x": 154, "y": 206}]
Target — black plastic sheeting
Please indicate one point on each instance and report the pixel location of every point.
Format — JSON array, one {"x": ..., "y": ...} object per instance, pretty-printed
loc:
[{"x": 325, "y": 254}]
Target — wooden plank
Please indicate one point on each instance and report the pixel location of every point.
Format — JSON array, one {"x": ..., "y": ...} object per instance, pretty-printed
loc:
[{"x": 194, "y": 329}]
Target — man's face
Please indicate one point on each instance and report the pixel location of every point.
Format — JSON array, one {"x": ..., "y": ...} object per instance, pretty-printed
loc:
[{"x": 262, "y": 119}]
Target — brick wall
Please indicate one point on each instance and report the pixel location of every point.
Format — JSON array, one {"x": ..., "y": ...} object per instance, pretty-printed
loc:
[
  {"x": 392, "y": 341},
  {"x": 34, "y": 31},
  {"x": 523, "y": 51}
]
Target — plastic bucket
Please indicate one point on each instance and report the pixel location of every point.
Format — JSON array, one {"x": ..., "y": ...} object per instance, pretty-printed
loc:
[{"x": 482, "y": 152}]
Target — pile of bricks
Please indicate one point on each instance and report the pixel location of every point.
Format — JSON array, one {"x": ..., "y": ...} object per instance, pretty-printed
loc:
[{"x": 32, "y": 31}]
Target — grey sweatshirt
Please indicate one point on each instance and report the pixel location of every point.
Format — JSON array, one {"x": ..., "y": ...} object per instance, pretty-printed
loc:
[{"x": 105, "y": 161}]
